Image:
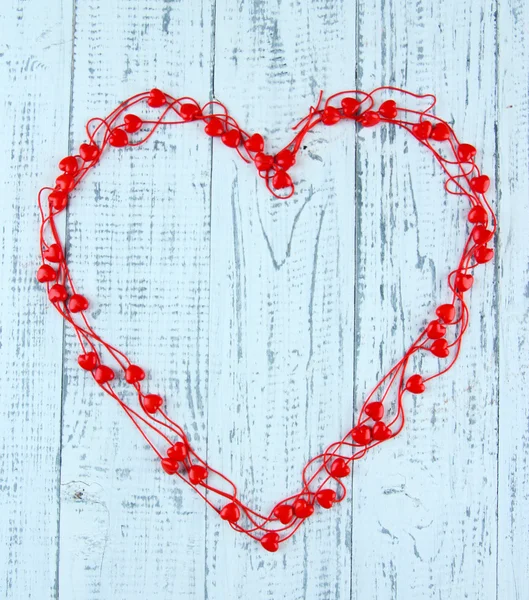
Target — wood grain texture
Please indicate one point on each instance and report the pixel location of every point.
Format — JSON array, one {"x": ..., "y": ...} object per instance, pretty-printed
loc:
[{"x": 264, "y": 323}]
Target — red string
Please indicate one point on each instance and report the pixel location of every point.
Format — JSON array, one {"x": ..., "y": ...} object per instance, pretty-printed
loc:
[{"x": 322, "y": 476}]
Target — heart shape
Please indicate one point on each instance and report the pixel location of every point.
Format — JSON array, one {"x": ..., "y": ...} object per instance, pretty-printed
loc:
[{"x": 373, "y": 425}]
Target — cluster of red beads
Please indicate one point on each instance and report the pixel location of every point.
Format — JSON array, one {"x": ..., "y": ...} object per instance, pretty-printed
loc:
[{"x": 321, "y": 477}]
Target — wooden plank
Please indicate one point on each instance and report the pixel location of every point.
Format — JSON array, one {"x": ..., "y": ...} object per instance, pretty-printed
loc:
[
  {"x": 282, "y": 283},
  {"x": 425, "y": 505},
  {"x": 138, "y": 243},
  {"x": 35, "y": 57},
  {"x": 513, "y": 274}
]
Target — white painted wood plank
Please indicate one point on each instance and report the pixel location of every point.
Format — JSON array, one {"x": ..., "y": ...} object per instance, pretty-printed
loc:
[
  {"x": 35, "y": 57},
  {"x": 425, "y": 505},
  {"x": 513, "y": 272},
  {"x": 138, "y": 243},
  {"x": 282, "y": 283}
]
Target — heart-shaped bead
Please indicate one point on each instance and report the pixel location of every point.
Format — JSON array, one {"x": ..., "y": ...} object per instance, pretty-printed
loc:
[
  {"x": 255, "y": 143},
  {"x": 369, "y": 119},
  {"x": 58, "y": 200},
  {"x": 134, "y": 374},
  {"x": 388, "y": 109},
  {"x": 57, "y": 293},
  {"x": 302, "y": 508},
  {"x": 231, "y": 138},
  {"x": 482, "y": 254},
  {"x": 340, "y": 468},
  {"x": 190, "y": 111},
  {"x": 481, "y": 235},
  {"x": 381, "y": 432},
  {"x": 69, "y": 165},
  {"x": 263, "y": 162},
  {"x": 65, "y": 182},
  {"x": 169, "y": 466},
  {"x": 284, "y": 512},
  {"x": 330, "y": 115},
  {"x": 480, "y": 184},
  {"x": 103, "y": 374},
  {"x": 87, "y": 361},
  {"x": 77, "y": 303},
  {"x": 270, "y": 541},
  {"x": 422, "y": 130},
  {"x": 440, "y": 132},
  {"x": 177, "y": 451},
  {"x": 478, "y": 214},
  {"x": 361, "y": 434},
  {"x": 326, "y": 498},
  {"x": 53, "y": 253},
  {"x": 281, "y": 180},
  {"x": 349, "y": 107},
  {"x": 151, "y": 403},
  {"x": 197, "y": 473},
  {"x": 466, "y": 152},
  {"x": 46, "y": 273},
  {"x": 132, "y": 123},
  {"x": 375, "y": 410},
  {"x": 435, "y": 330},
  {"x": 118, "y": 138},
  {"x": 415, "y": 384},
  {"x": 440, "y": 348},
  {"x": 285, "y": 159},
  {"x": 230, "y": 512},
  {"x": 156, "y": 98},
  {"x": 446, "y": 312},
  {"x": 214, "y": 127},
  {"x": 463, "y": 282},
  {"x": 89, "y": 152}
]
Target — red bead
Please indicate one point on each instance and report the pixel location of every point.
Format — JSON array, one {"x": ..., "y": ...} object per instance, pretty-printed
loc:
[
  {"x": 446, "y": 312},
  {"x": 77, "y": 303},
  {"x": 133, "y": 374},
  {"x": 361, "y": 434},
  {"x": 169, "y": 466},
  {"x": 57, "y": 293},
  {"x": 89, "y": 152},
  {"x": 65, "y": 182},
  {"x": 440, "y": 348},
  {"x": 370, "y": 118},
  {"x": 46, "y": 274},
  {"x": 156, "y": 98},
  {"x": 263, "y": 162},
  {"x": 481, "y": 235},
  {"x": 118, "y": 138},
  {"x": 189, "y": 112},
  {"x": 270, "y": 541},
  {"x": 197, "y": 473},
  {"x": 177, "y": 451},
  {"x": 415, "y": 384},
  {"x": 69, "y": 165},
  {"x": 375, "y": 410},
  {"x": 230, "y": 512},
  {"x": 103, "y": 374},
  {"x": 478, "y": 214},
  {"x": 381, "y": 432},
  {"x": 255, "y": 143},
  {"x": 284, "y": 512},
  {"x": 87, "y": 361},
  {"x": 53, "y": 253},
  {"x": 58, "y": 199},
  {"x": 466, "y": 152},
  {"x": 480, "y": 184},
  {"x": 302, "y": 509},
  {"x": 388, "y": 109},
  {"x": 231, "y": 138},
  {"x": 214, "y": 127},
  {"x": 132, "y": 123},
  {"x": 151, "y": 403},
  {"x": 463, "y": 282},
  {"x": 483, "y": 254},
  {"x": 422, "y": 130},
  {"x": 285, "y": 159},
  {"x": 340, "y": 468},
  {"x": 281, "y": 180},
  {"x": 349, "y": 107},
  {"x": 330, "y": 115},
  {"x": 440, "y": 132},
  {"x": 326, "y": 498},
  {"x": 435, "y": 330}
]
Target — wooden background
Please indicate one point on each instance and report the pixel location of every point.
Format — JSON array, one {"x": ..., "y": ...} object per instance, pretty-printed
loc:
[{"x": 263, "y": 323}]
